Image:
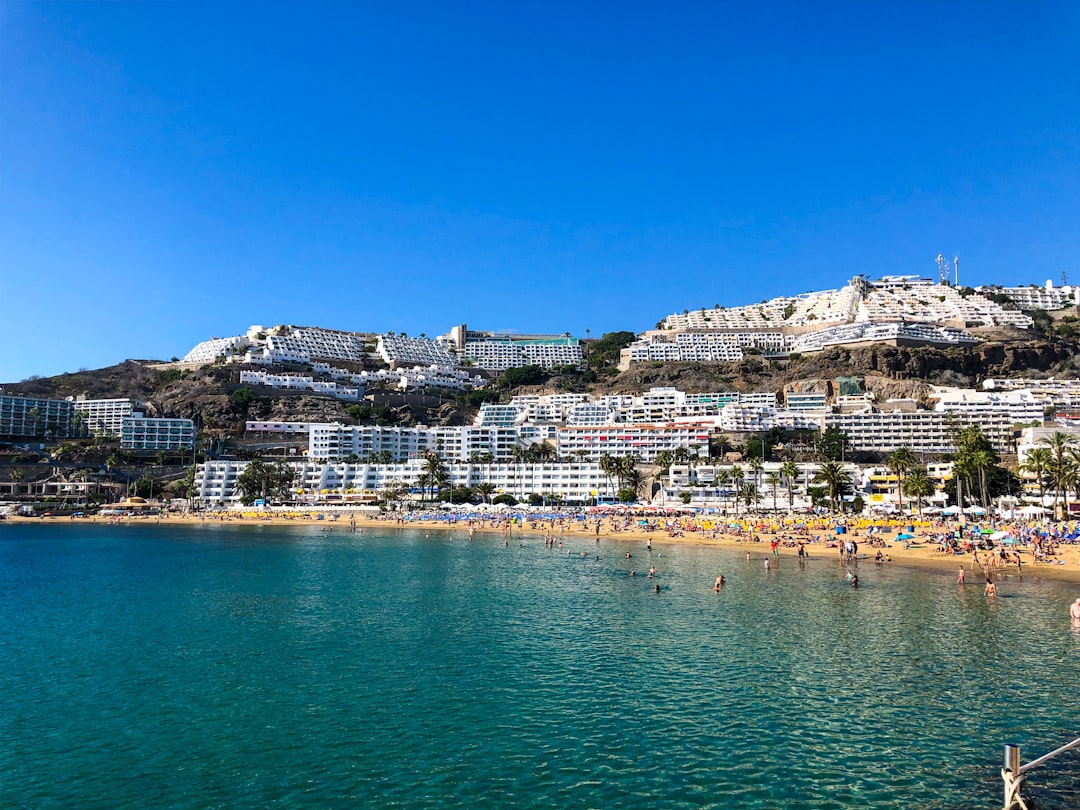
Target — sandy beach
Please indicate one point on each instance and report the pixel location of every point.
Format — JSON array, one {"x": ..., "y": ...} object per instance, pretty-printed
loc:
[{"x": 755, "y": 535}]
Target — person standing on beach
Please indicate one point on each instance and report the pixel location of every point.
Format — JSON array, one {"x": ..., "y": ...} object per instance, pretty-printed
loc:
[{"x": 960, "y": 577}]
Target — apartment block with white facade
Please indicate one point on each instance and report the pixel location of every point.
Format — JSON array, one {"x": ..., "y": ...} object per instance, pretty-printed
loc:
[
  {"x": 402, "y": 350},
  {"x": 1031, "y": 297},
  {"x": 301, "y": 382},
  {"x": 105, "y": 417},
  {"x": 451, "y": 443},
  {"x": 35, "y": 416},
  {"x": 141, "y": 433},
  {"x": 330, "y": 483},
  {"x": 641, "y": 441},
  {"x": 922, "y": 431}
]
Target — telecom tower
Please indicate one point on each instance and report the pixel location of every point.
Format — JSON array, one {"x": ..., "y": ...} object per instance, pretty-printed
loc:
[
  {"x": 943, "y": 270},
  {"x": 956, "y": 270}
]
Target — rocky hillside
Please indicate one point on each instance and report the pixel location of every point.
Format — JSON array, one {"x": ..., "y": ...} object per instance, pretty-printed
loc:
[
  {"x": 212, "y": 395},
  {"x": 889, "y": 371}
]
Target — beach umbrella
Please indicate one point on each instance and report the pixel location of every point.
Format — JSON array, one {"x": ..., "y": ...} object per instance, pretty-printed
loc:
[
  {"x": 951, "y": 510},
  {"x": 1033, "y": 510},
  {"x": 974, "y": 510}
]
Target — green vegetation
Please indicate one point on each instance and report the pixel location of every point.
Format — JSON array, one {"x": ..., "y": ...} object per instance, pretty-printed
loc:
[
  {"x": 522, "y": 375},
  {"x": 262, "y": 480},
  {"x": 832, "y": 443},
  {"x": 166, "y": 376},
  {"x": 604, "y": 353},
  {"x": 242, "y": 398}
]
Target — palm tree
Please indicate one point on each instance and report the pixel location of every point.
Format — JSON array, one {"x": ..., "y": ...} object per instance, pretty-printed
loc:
[
  {"x": 919, "y": 485},
  {"x": 773, "y": 480},
  {"x": 755, "y": 464},
  {"x": 723, "y": 478},
  {"x": 899, "y": 462},
  {"x": 790, "y": 471},
  {"x": 1060, "y": 446},
  {"x": 737, "y": 477},
  {"x": 833, "y": 476},
  {"x": 609, "y": 467},
  {"x": 626, "y": 467},
  {"x": 749, "y": 494},
  {"x": 1037, "y": 463},
  {"x": 983, "y": 461},
  {"x": 633, "y": 480},
  {"x": 435, "y": 471},
  {"x": 484, "y": 489}
]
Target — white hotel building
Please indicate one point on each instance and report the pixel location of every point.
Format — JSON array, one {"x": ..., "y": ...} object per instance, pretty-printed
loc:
[
  {"x": 140, "y": 433},
  {"x": 577, "y": 482},
  {"x": 300, "y": 382},
  {"x": 336, "y": 441},
  {"x": 922, "y": 431},
  {"x": 105, "y": 417},
  {"x": 640, "y": 441}
]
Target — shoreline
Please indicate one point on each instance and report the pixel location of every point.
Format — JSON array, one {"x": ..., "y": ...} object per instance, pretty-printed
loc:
[{"x": 922, "y": 556}]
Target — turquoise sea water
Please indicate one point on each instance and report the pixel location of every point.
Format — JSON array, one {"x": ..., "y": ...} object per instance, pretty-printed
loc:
[{"x": 247, "y": 667}]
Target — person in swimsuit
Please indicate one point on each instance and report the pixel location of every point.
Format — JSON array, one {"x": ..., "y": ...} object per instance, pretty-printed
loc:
[
  {"x": 991, "y": 589},
  {"x": 960, "y": 576},
  {"x": 1074, "y": 611}
]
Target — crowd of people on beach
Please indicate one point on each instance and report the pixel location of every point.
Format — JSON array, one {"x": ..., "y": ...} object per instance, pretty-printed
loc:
[{"x": 990, "y": 547}]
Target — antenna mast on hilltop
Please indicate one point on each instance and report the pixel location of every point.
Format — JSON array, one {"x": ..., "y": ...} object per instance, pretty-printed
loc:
[
  {"x": 956, "y": 270},
  {"x": 943, "y": 270}
]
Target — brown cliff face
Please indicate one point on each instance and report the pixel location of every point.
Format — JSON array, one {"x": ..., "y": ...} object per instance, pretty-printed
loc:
[{"x": 888, "y": 370}]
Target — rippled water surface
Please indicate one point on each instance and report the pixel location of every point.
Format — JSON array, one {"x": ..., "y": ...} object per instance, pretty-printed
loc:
[{"x": 247, "y": 667}]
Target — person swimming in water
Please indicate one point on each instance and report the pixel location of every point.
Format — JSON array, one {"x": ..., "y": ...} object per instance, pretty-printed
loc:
[
  {"x": 1074, "y": 611},
  {"x": 720, "y": 584}
]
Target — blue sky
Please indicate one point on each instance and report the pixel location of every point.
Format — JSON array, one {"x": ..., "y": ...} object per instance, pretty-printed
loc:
[{"x": 175, "y": 171}]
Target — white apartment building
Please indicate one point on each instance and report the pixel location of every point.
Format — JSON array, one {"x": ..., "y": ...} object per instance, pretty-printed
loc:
[
  {"x": 641, "y": 441},
  {"x": 141, "y": 433},
  {"x": 893, "y": 333},
  {"x": 34, "y": 416},
  {"x": 285, "y": 344},
  {"x": 492, "y": 414},
  {"x": 105, "y": 417},
  {"x": 591, "y": 414},
  {"x": 1022, "y": 406},
  {"x": 406, "y": 377},
  {"x": 573, "y": 483},
  {"x": 337, "y": 441},
  {"x": 1031, "y": 297},
  {"x": 210, "y": 350},
  {"x": 277, "y": 427},
  {"x": 300, "y": 382},
  {"x": 499, "y": 354},
  {"x": 922, "y": 431},
  {"x": 401, "y": 350},
  {"x": 806, "y": 400}
]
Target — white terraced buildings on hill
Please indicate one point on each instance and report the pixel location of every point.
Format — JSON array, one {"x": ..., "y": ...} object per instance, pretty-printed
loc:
[
  {"x": 905, "y": 310},
  {"x": 499, "y": 352},
  {"x": 300, "y": 382},
  {"x": 1047, "y": 297},
  {"x": 286, "y": 344}
]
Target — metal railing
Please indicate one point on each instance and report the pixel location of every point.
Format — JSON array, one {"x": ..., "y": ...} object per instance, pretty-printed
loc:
[{"x": 1013, "y": 773}]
